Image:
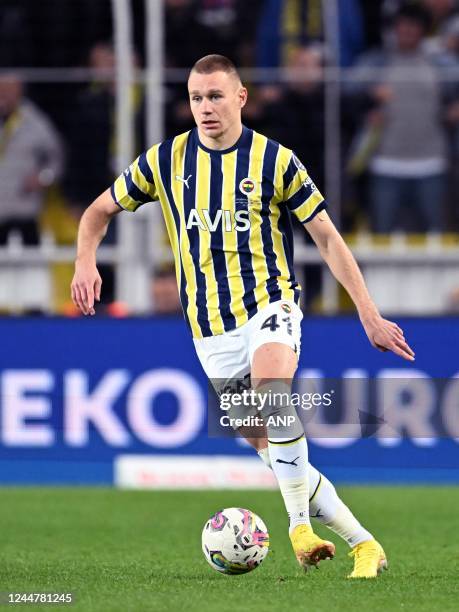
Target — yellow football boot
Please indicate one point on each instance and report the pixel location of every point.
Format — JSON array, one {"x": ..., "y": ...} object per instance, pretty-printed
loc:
[
  {"x": 369, "y": 560},
  {"x": 309, "y": 548}
]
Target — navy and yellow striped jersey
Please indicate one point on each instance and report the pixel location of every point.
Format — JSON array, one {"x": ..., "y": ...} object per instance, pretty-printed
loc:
[{"x": 228, "y": 218}]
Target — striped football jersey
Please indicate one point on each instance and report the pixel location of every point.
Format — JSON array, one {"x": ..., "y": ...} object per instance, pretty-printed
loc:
[{"x": 228, "y": 216}]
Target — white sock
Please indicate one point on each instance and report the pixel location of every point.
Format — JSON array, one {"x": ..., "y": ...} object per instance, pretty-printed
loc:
[
  {"x": 326, "y": 506},
  {"x": 289, "y": 461}
]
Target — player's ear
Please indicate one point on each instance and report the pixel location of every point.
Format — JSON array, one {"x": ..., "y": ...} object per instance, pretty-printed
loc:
[{"x": 243, "y": 96}]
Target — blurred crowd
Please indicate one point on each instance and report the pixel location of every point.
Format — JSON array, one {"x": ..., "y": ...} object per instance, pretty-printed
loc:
[{"x": 399, "y": 96}]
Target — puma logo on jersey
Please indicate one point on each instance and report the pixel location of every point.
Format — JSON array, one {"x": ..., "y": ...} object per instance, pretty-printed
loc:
[
  {"x": 183, "y": 180},
  {"x": 238, "y": 221}
]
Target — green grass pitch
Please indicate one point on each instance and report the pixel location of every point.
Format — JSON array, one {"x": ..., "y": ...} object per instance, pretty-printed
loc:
[{"x": 139, "y": 551}]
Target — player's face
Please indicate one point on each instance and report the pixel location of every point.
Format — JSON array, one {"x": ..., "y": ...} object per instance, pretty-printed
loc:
[{"x": 216, "y": 101}]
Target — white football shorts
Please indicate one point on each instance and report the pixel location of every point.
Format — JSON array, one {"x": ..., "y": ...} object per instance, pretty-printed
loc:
[{"x": 229, "y": 356}]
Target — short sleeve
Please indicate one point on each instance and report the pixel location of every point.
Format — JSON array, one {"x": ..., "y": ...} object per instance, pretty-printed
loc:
[
  {"x": 135, "y": 186},
  {"x": 301, "y": 196}
]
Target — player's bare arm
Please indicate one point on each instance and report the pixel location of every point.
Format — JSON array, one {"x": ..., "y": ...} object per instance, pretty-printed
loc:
[
  {"x": 86, "y": 284},
  {"x": 383, "y": 334}
]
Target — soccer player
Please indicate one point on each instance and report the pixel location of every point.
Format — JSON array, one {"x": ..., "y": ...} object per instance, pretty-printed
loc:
[{"x": 227, "y": 194}]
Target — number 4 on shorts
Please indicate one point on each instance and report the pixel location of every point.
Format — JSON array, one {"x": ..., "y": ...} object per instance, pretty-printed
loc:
[{"x": 271, "y": 323}]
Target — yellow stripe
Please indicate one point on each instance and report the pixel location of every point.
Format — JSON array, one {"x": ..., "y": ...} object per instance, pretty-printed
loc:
[
  {"x": 259, "y": 265},
  {"x": 178, "y": 245},
  {"x": 307, "y": 208},
  {"x": 206, "y": 263},
  {"x": 153, "y": 162},
  {"x": 121, "y": 191},
  {"x": 295, "y": 185},
  {"x": 140, "y": 181},
  {"x": 230, "y": 244},
  {"x": 122, "y": 196},
  {"x": 177, "y": 187},
  {"x": 282, "y": 161}
]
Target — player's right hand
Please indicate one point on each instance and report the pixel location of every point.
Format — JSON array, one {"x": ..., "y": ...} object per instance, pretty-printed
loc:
[{"x": 86, "y": 286}]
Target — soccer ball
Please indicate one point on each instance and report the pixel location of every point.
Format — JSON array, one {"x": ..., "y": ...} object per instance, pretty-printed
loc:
[{"x": 235, "y": 541}]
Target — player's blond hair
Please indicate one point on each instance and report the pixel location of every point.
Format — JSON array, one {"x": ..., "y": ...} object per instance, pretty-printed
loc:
[{"x": 214, "y": 63}]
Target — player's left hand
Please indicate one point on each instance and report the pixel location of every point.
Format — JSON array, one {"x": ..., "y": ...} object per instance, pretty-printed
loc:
[{"x": 387, "y": 336}]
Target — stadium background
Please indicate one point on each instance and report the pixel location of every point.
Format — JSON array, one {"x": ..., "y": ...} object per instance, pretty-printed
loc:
[
  {"x": 109, "y": 77},
  {"x": 97, "y": 405}
]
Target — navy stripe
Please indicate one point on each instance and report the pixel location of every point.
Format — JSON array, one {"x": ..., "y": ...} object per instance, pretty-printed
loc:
[
  {"x": 286, "y": 441},
  {"x": 290, "y": 174},
  {"x": 267, "y": 192},
  {"x": 216, "y": 243},
  {"x": 189, "y": 203},
  {"x": 285, "y": 227},
  {"x": 316, "y": 489},
  {"x": 134, "y": 192},
  {"x": 164, "y": 159},
  {"x": 145, "y": 168},
  {"x": 245, "y": 256},
  {"x": 322, "y": 206},
  {"x": 300, "y": 197}
]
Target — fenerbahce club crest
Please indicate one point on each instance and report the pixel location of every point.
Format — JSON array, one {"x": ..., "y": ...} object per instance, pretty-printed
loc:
[
  {"x": 247, "y": 186},
  {"x": 286, "y": 308}
]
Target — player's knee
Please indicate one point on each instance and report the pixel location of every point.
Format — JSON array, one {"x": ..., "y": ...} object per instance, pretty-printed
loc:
[{"x": 273, "y": 360}]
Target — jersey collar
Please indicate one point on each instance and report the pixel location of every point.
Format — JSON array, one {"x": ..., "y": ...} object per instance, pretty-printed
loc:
[{"x": 239, "y": 143}]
